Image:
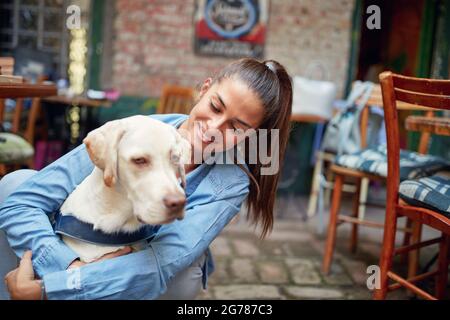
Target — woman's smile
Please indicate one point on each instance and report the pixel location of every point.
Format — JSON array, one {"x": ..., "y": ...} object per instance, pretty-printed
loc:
[
  {"x": 229, "y": 104},
  {"x": 201, "y": 133}
]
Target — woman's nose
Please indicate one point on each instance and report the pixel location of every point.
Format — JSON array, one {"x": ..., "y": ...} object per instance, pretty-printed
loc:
[{"x": 216, "y": 123}]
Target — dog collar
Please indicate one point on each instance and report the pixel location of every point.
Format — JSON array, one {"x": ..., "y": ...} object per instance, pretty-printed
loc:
[{"x": 70, "y": 226}]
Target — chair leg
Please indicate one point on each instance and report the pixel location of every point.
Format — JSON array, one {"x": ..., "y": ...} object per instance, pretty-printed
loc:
[
  {"x": 406, "y": 240},
  {"x": 332, "y": 226},
  {"x": 327, "y": 191},
  {"x": 363, "y": 192},
  {"x": 443, "y": 261},
  {"x": 387, "y": 252},
  {"x": 413, "y": 256},
  {"x": 355, "y": 213},
  {"x": 312, "y": 204}
]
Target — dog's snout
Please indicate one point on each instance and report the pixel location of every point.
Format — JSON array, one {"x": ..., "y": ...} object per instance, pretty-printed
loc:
[
  {"x": 174, "y": 202},
  {"x": 179, "y": 215}
]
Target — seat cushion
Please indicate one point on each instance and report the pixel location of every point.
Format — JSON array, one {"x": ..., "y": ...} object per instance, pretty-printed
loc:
[
  {"x": 412, "y": 164},
  {"x": 14, "y": 148},
  {"x": 429, "y": 192}
]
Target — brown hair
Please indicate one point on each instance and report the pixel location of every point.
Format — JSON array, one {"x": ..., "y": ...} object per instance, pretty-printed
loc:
[{"x": 271, "y": 82}]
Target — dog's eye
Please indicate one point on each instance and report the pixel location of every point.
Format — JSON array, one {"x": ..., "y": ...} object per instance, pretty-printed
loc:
[
  {"x": 140, "y": 161},
  {"x": 175, "y": 158}
]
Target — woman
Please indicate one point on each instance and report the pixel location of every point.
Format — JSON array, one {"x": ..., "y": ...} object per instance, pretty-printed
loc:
[{"x": 246, "y": 94}]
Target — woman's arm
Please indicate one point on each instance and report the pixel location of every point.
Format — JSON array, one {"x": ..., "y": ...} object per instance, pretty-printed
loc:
[
  {"x": 145, "y": 274},
  {"x": 24, "y": 214}
]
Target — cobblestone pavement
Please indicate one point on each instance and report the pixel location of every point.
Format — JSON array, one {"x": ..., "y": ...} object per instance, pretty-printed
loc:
[{"x": 286, "y": 265}]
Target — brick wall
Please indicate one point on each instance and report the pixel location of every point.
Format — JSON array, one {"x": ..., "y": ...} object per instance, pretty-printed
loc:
[{"x": 153, "y": 42}]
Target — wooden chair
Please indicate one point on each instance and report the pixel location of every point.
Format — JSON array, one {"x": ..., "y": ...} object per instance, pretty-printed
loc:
[
  {"x": 26, "y": 132},
  {"x": 428, "y": 93},
  {"x": 326, "y": 158},
  {"x": 176, "y": 99},
  {"x": 361, "y": 181}
]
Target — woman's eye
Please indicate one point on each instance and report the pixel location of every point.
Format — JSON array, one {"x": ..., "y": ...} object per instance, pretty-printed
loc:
[
  {"x": 239, "y": 132},
  {"x": 140, "y": 161},
  {"x": 214, "y": 108},
  {"x": 237, "y": 127}
]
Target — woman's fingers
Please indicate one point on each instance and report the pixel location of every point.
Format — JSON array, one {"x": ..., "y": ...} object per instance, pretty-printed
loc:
[
  {"x": 25, "y": 270},
  {"x": 20, "y": 282},
  {"x": 115, "y": 254},
  {"x": 10, "y": 278},
  {"x": 10, "y": 274}
]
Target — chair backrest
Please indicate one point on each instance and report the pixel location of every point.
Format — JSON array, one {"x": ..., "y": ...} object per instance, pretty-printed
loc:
[
  {"x": 176, "y": 99},
  {"x": 426, "y": 94},
  {"x": 7, "y": 67},
  {"x": 33, "y": 115},
  {"x": 374, "y": 100}
]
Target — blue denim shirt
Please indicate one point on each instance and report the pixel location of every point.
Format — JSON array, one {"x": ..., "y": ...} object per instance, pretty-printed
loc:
[{"x": 214, "y": 196}]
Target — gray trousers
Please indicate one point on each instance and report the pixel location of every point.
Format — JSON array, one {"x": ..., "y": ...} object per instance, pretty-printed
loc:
[{"x": 186, "y": 285}]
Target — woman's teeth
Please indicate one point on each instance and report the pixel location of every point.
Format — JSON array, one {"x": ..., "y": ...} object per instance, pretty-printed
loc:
[{"x": 202, "y": 135}]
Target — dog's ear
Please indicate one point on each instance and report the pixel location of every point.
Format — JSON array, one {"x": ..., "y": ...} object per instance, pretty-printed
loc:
[
  {"x": 182, "y": 152},
  {"x": 102, "y": 144}
]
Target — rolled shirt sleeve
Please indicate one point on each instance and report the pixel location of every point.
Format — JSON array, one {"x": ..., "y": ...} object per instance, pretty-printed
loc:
[{"x": 24, "y": 215}]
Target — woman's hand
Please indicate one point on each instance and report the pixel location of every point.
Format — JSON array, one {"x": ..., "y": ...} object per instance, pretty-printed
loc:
[
  {"x": 20, "y": 282},
  {"x": 22, "y": 285}
]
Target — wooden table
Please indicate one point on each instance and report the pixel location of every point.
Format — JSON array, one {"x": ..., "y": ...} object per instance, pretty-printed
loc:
[
  {"x": 78, "y": 100},
  {"x": 25, "y": 90},
  {"x": 433, "y": 125}
]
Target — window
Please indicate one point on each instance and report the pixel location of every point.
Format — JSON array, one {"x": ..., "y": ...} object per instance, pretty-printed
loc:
[{"x": 38, "y": 25}]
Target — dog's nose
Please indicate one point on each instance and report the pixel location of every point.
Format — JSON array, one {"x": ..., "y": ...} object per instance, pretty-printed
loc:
[
  {"x": 180, "y": 215},
  {"x": 174, "y": 202}
]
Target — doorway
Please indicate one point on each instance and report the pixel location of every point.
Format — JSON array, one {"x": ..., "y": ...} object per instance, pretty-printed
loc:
[{"x": 402, "y": 44}]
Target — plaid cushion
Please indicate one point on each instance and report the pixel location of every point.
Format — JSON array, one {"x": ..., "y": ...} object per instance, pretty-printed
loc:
[
  {"x": 430, "y": 192},
  {"x": 412, "y": 164},
  {"x": 14, "y": 148}
]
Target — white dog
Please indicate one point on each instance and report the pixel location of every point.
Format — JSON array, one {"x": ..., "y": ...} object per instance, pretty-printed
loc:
[{"x": 134, "y": 182}]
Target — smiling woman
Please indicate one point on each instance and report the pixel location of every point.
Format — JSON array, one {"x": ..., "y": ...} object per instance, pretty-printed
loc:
[{"x": 247, "y": 96}]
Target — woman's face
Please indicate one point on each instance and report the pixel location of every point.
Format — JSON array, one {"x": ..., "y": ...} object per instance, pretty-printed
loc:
[{"x": 223, "y": 109}]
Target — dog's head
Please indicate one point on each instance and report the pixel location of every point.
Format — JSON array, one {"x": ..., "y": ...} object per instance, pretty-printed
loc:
[{"x": 143, "y": 158}]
